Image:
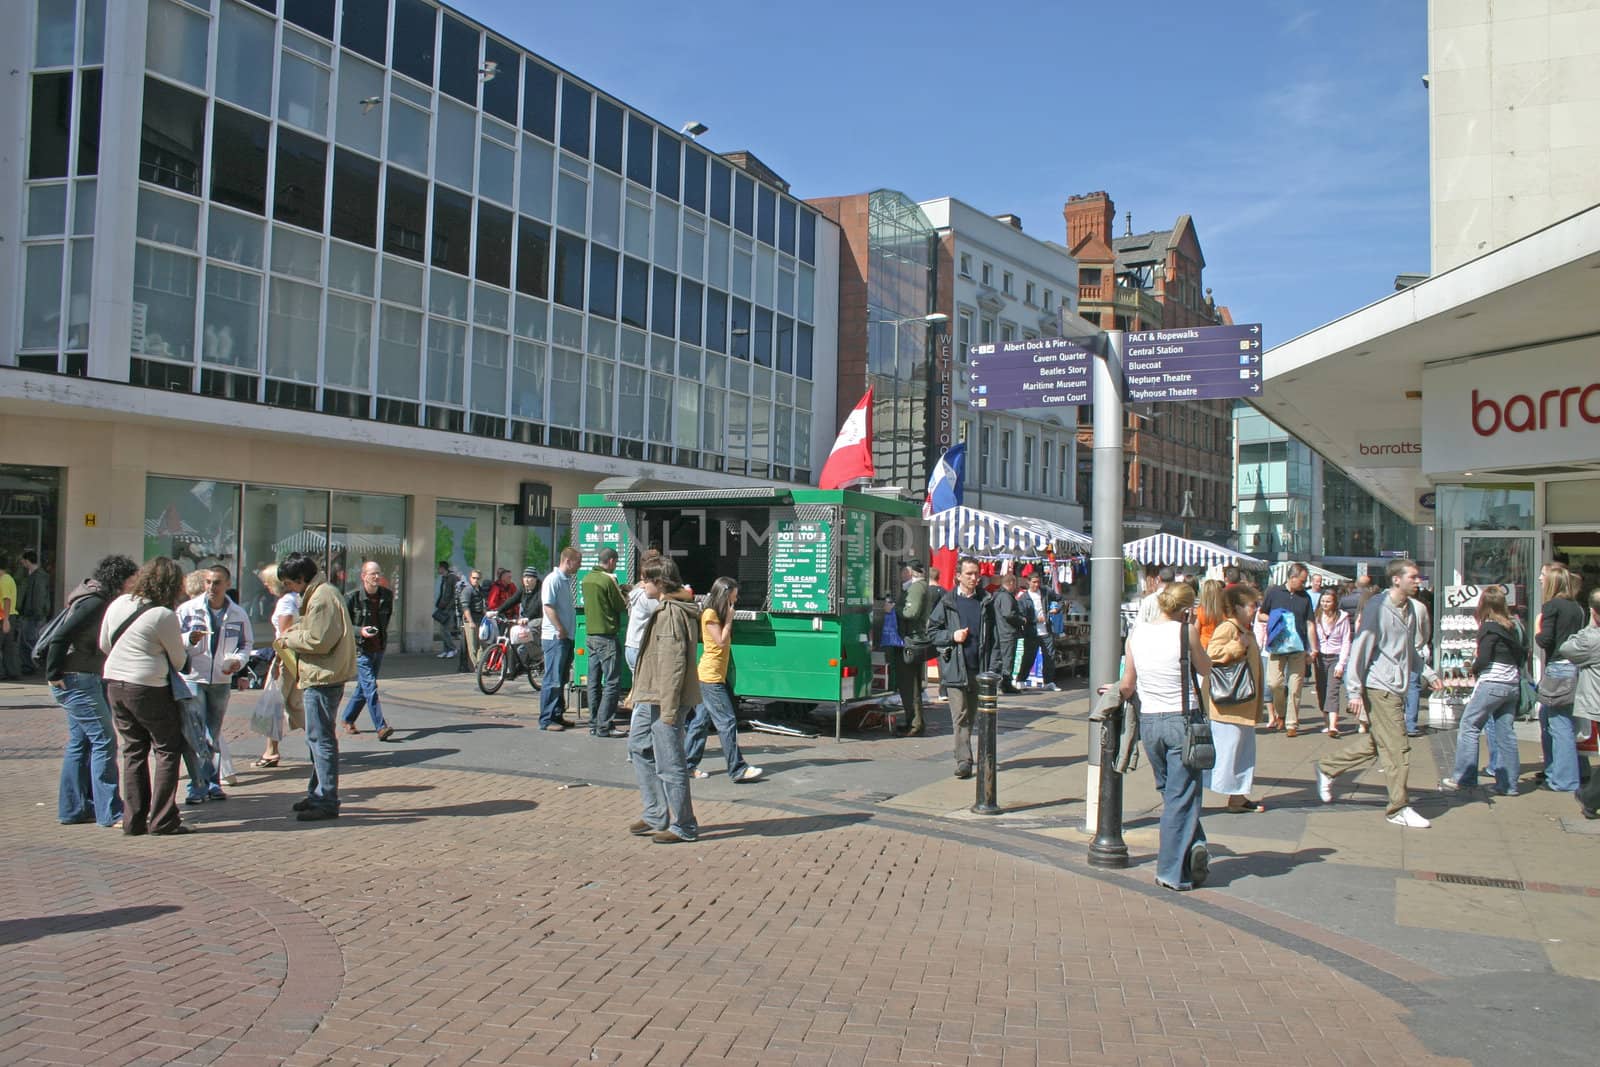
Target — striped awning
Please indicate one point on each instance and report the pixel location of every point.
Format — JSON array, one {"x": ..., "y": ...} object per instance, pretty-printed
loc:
[
  {"x": 1170, "y": 550},
  {"x": 994, "y": 533},
  {"x": 1280, "y": 573}
]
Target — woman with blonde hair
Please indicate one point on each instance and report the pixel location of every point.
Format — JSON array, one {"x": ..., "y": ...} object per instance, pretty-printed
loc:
[
  {"x": 1233, "y": 726},
  {"x": 1212, "y": 610},
  {"x": 285, "y": 609},
  {"x": 1560, "y": 618},
  {"x": 1492, "y": 708},
  {"x": 1153, "y": 668}
]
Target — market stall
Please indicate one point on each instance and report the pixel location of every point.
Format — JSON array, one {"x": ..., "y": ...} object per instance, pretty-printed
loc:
[
  {"x": 1280, "y": 574},
  {"x": 1170, "y": 550}
]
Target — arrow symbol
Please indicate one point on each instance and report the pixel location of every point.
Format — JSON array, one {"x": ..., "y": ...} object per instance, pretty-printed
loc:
[
  {"x": 1255, "y": 388},
  {"x": 1255, "y": 329}
]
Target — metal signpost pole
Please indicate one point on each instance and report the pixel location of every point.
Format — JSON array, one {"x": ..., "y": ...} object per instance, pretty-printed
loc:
[{"x": 1105, "y": 569}]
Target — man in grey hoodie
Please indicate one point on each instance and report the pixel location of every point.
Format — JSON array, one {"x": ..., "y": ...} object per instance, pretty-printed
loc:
[
  {"x": 1583, "y": 648},
  {"x": 1388, "y": 649}
]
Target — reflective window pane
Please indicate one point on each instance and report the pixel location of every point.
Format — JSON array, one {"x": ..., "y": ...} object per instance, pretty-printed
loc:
[
  {"x": 630, "y": 403},
  {"x": 767, "y": 215},
  {"x": 399, "y": 352},
  {"x": 296, "y": 254},
  {"x": 566, "y": 387},
  {"x": 172, "y": 141},
  {"x": 47, "y": 210},
  {"x": 294, "y": 320},
  {"x": 664, "y": 303},
  {"x": 313, "y": 15},
  {"x": 689, "y": 310},
  {"x": 569, "y": 270},
  {"x": 232, "y": 318},
  {"x": 355, "y": 198},
  {"x": 243, "y": 37},
  {"x": 666, "y": 244},
  {"x": 94, "y": 30},
  {"x": 303, "y": 94},
  {"x": 641, "y": 145},
  {"x": 452, "y": 230},
  {"x": 41, "y": 296},
  {"x": 447, "y": 362},
  {"x": 599, "y": 391},
  {"x": 694, "y": 247},
  {"x": 489, "y": 371},
  {"x": 539, "y": 100},
  {"x": 496, "y": 171},
  {"x": 405, "y": 219},
  {"x": 527, "y": 381},
  {"x": 717, "y": 251},
  {"x": 739, "y": 329},
  {"x": 802, "y": 352},
  {"x": 721, "y": 190},
  {"x": 716, "y": 320},
  {"x": 744, "y": 204},
  {"x": 300, "y": 180},
  {"x": 235, "y": 238},
  {"x": 447, "y": 295},
  {"x": 494, "y": 246},
  {"x": 605, "y": 222},
  {"x": 54, "y": 34},
  {"x": 636, "y": 223},
  {"x": 358, "y": 116},
  {"x": 167, "y": 219},
  {"x": 533, "y": 258},
  {"x": 668, "y": 148},
  {"x": 414, "y": 28},
  {"x": 239, "y": 162},
  {"x": 786, "y": 226},
  {"x": 351, "y": 269},
  {"x": 575, "y": 102},
  {"x": 602, "y": 282},
  {"x": 163, "y": 303},
  {"x": 458, "y": 61},
  {"x": 538, "y": 166},
  {"x": 408, "y": 135},
  {"x": 572, "y": 203},
  {"x": 635, "y": 292},
  {"x": 83, "y": 207},
  {"x": 365, "y": 28},
  {"x": 89, "y": 122},
  {"x": 808, "y": 236},
  {"x": 500, "y": 91},
  {"x": 687, "y": 415},
  {"x": 694, "y": 178},
  {"x": 808, "y": 294},
  {"x": 608, "y": 135},
  {"x": 785, "y": 343},
  {"x": 176, "y": 41},
  {"x": 50, "y": 128},
  {"x": 458, "y": 139}
]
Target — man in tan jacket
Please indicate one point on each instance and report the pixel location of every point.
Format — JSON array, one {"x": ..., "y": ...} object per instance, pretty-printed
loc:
[{"x": 325, "y": 659}]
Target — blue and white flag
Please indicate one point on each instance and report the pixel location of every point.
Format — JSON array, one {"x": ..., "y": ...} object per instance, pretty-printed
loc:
[{"x": 945, "y": 483}]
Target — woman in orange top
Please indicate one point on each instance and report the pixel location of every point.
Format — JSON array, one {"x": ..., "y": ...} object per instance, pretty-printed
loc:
[
  {"x": 717, "y": 707},
  {"x": 1211, "y": 611}
]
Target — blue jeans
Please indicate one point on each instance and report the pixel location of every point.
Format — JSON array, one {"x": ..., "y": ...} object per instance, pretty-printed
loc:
[
  {"x": 1180, "y": 797},
  {"x": 605, "y": 681},
  {"x": 1491, "y": 710},
  {"x": 89, "y": 769},
  {"x": 557, "y": 671},
  {"x": 366, "y": 694},
  {"x": 1559, "y": 741},
  {"x": 197, "y": 749},
  {"x": 716, "y": 709},
  {"x": 1414, "y": 703},
  {"x": 321, "y": 703},
  {"x": 656, "y": 748},
  {"x": 631, "y": 654}
]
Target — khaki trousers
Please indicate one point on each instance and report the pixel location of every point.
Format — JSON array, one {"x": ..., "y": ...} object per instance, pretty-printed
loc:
[
  {"x": 1286, "y": 674},
  {"x": 1386, "y": 737}
]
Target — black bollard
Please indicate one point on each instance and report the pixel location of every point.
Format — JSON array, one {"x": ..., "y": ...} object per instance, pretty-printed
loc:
[
  {"x": 1108, "y": 848},
  {"x": 988, "y": 738}
]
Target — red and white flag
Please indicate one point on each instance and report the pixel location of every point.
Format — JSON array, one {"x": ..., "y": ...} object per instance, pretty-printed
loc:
[{"x": 851, "y": 459}]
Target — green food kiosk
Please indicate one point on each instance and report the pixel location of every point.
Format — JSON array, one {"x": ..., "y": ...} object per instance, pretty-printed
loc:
[{"x": 810, "y": 563}]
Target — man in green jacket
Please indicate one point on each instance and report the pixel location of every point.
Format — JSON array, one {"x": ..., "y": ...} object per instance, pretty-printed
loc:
[
  {"x": 912, "y": 608},
  {"x": 603, "y": 612},
  {"x": 324, "y": 657}
]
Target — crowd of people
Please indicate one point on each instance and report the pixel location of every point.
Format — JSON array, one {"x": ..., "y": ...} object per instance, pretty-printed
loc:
[{"x": 1225, "y": 654}]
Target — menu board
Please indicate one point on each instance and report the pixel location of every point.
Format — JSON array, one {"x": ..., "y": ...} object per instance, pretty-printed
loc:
[
  {"x": 592, "y": 537},
  {"x": 1457, "y": 627},
  {"x": 857, "y": 558},
  {"x": 802, "y": 572}
]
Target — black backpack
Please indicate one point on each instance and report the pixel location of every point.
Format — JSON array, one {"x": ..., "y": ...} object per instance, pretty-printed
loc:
[{"x": 51, "y": 633}]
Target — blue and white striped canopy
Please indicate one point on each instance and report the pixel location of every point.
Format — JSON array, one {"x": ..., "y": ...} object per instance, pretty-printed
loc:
[
  {"x": 994, "y": 533},
  {"x": 1170, "y": 550}
]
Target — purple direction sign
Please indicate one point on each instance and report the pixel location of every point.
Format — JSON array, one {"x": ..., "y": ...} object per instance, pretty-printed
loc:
[
  {"x": 1045, "y": 372},
  {"x": 1192, "y": 363}
]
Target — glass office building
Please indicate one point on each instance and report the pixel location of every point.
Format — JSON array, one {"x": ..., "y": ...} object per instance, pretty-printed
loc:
[{"x": 381, "y": 224}]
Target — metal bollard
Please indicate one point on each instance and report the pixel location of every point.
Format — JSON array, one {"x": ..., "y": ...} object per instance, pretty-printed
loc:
[
  {"x": 1108, "y": 849},
  {"x": 987, "y": 725}
]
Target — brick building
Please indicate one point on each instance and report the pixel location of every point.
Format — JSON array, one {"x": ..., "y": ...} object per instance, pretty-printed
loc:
[{"x": 1147, "y": 281}]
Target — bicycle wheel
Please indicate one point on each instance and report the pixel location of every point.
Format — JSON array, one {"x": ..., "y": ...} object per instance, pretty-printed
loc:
[
  {"x": 535, "y": 670},
  {"x": 491, "y": 669}
]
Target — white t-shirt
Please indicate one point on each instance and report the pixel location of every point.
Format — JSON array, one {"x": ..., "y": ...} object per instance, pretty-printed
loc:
[
  {"x": 288, "y": 606},
  {"x": 1155, "y": 651}
]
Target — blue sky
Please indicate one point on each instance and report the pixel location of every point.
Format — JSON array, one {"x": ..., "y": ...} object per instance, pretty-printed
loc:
[{"x": 1295, "y": 133}]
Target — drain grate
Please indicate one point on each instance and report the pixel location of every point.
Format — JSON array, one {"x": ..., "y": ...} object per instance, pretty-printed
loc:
[{"x": 1486, "y": 883}]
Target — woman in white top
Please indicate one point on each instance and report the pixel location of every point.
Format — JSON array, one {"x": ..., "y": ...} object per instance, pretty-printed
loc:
[
  {"x": 143, "y": 644},
  {"x": 1152, "y": 670},
  {"x": 284, "y": 611}
]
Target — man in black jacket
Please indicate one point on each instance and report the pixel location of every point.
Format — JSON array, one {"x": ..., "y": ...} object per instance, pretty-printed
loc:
[
  {"x": 370, "y": 607},
  {"x": 962, "y": 630},
  {"x": 1008, "y": 629}
]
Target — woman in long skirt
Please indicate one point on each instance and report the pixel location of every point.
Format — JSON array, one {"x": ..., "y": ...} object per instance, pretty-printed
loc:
[{"x": 1233, "y": 726}]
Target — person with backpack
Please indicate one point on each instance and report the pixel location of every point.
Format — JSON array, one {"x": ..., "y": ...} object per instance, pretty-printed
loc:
[{"x": 68, "y": 651}]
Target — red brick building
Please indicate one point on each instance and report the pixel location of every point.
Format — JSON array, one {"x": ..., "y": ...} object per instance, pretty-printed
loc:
[{"x": 1147, "y": 281}]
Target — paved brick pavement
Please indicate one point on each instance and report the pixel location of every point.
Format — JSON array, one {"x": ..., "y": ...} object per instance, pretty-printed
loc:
[{"x": 455, "y": 917}]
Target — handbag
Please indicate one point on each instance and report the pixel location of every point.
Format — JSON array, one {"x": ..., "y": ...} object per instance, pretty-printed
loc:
[
  {"x": 1199, "y": 750},
  {"x": 1559, "y": 683},
  {"x": 1233, "y": 683}
]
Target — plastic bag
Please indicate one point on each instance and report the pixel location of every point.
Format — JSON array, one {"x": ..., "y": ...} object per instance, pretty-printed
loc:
[{"x": 267, "y": 718}]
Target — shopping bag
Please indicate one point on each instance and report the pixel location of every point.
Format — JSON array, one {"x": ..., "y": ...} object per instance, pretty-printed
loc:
[{"x": 267, "y": 718}]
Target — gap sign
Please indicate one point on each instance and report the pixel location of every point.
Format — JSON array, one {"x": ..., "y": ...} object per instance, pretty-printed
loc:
[
  {"x": 1043, "y": 373},
  {"x": 1192, "y": 363}
]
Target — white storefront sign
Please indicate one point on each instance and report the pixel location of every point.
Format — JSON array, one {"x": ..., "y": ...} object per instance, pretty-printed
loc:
[{"x": 1522, "y": 409}]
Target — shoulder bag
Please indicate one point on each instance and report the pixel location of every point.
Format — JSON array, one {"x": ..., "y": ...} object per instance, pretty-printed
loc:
[
  {"x": 1233, "y": 683},
  {"x": 1199, "y": 751},
  {"x": 1559, "y": 682}
]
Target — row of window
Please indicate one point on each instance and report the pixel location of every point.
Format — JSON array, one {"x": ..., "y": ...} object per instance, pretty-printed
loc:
[
  {"x": 1034, "y": 294},
  {"x": 1041, "y": 465},
  {"x": 371, "y": 107}
]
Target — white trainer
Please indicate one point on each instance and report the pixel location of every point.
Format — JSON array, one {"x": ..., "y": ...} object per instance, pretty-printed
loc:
[
  {"x": 1324, "y": 786},
  {"x": 1409, "y": 818}
]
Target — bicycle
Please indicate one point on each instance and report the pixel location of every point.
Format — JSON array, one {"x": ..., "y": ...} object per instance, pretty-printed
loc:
[{"x": 509, "y": 653}]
